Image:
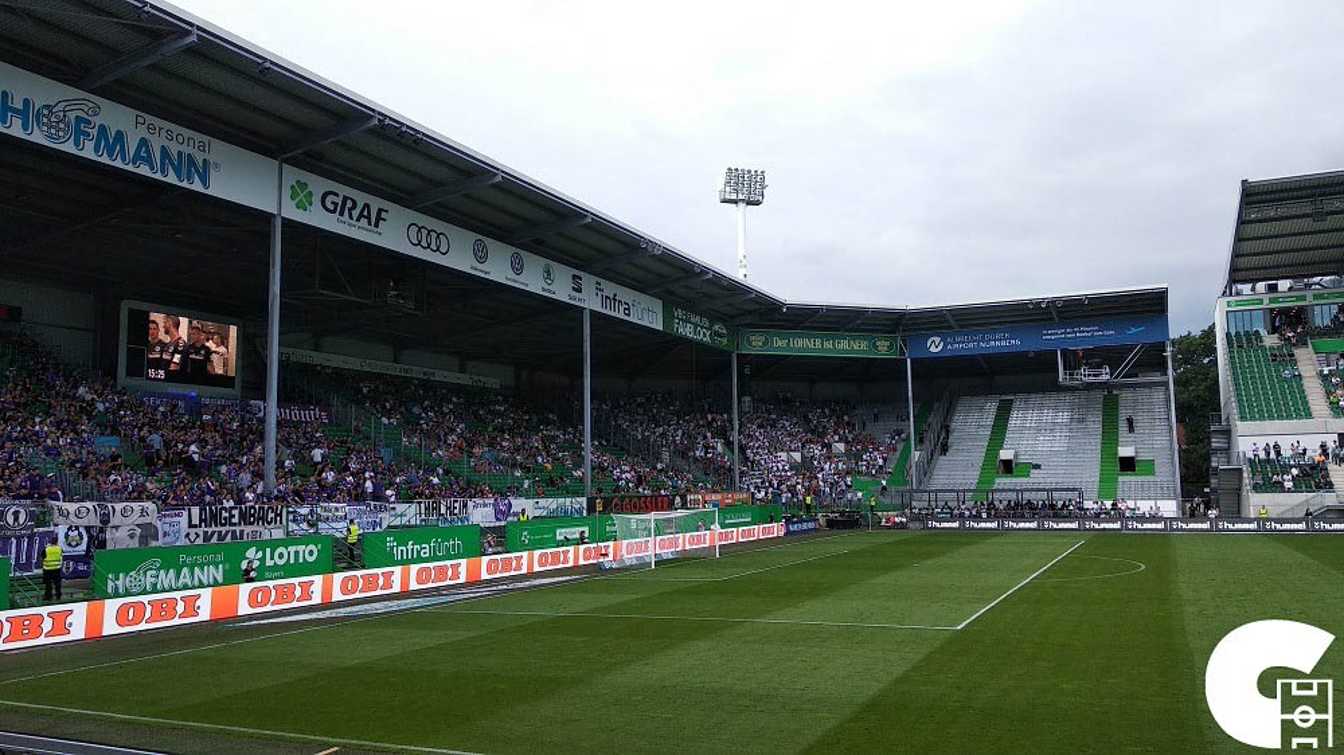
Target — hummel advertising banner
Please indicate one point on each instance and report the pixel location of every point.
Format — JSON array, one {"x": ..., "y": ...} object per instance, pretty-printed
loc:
[
  {"x": 140, "y": 571},
  {"x": 49, "y": 113},
  {"x": 317, "y": 201},
  {"x": 1074, "y": 334}
]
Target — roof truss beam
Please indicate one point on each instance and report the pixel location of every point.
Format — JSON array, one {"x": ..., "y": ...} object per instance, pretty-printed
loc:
[
  {"x": 137, "y": 59},
  {"x": 542, "y": 230},
  {"x": 332, "y": 133},
  {"x": 454, "y": 189},
  {"x": 673, "y": 283}
]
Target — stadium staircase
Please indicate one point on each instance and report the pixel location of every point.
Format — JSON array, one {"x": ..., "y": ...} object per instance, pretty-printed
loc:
[
  {"x": 1108, "y": 477},
  {"x": 1308, "y": 365},
  {"x": 900, "y": 466},
  {"x": 989, "y": 466}
]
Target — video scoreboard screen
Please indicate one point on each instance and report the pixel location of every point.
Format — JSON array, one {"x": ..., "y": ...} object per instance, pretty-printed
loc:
[{"x": 167, "y": 348}]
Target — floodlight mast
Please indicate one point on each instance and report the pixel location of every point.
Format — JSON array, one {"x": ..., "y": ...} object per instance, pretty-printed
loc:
[{"x": 742, "y": 187}]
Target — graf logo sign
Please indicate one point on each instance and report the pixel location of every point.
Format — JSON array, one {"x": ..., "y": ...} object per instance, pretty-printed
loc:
[
  {"x": 350, "y": 212},
  {"x": 1300, "y": 715}
]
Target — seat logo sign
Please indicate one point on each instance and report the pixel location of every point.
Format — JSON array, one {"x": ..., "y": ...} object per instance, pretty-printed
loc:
[
  {"x": 935, "y": 344},
  {"x": 1301, "y": 715}
]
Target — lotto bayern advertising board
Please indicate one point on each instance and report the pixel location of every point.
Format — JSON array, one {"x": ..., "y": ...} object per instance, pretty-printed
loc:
[
  {"x": 142, "y": 571},
  {"x": 1067, "y": 334},
  {"x": 818, "y": 344},
  {"x": 421, "y": 545}
]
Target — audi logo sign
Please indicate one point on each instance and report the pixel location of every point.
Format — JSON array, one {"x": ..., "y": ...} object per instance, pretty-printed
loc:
[{"x": 429, "y": 239}]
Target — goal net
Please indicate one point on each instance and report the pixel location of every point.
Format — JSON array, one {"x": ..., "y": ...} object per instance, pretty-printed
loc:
[{"x": 648, "y": 539}]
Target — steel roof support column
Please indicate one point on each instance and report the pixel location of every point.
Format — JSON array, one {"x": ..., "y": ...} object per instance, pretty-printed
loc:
[
  {"x": 273, "y": 334},
  {"x": 587, "y": 403},
  {"x": 737, "y": 471},
  {"x": 910, "y": 409},
  {"x": 1175, "y": 446}
]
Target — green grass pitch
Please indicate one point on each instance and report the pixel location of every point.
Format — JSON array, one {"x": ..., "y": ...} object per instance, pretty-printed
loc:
[{"x": 887, "y": 641}]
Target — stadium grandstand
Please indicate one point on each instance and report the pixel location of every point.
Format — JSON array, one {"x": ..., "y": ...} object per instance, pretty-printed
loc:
[
  {"x": 415, "y": 322},
  {"x": 1279, "y": 326},
  {"x": 325, "y": 433}
]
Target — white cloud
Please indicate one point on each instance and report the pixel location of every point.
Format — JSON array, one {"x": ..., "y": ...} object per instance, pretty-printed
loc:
[{"x": 917, "y": 152}]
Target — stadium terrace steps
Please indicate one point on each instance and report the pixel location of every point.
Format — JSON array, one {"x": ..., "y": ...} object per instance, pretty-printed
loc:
[
  {"x": 1308, "y": 366},
  {"x": 970, "y": 421},
  {"x": 1061, "y": 431},
  {"x": 1109, "y": 469},
  {"x": 1151, "y": 409}
]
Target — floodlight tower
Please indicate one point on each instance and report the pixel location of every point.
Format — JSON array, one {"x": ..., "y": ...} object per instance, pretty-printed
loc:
[{"x": 742, "y": 187}]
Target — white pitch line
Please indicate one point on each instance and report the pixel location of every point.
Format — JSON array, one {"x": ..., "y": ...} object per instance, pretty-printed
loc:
[
  {"x": 235, "y": 729},
  {"x": 725, "y": 619},
  {"x": 1019, "y": 585},
  {"x": 656, "y": 578},
  {"x": 748, "y": 552},
  {"x": 1142, "y": 566}
]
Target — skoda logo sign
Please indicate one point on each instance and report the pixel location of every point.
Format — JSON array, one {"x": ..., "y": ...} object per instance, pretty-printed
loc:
[
  {"x": 547, "y": 274},
  {"x": 480, "y": 251},
  {"x": 935, "y": 344},
  {"x": 516, "y": 263},
  {"x": 429, "y": 239}
]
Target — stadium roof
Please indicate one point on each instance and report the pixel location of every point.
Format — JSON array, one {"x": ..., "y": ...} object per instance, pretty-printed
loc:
[
  {"x": 167, "y": 62},
  {"x": 1288, "y": 228}
]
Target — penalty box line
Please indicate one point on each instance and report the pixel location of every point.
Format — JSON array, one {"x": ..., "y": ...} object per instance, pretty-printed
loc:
[
  {"x": 1020, "y": 585},
  {"x": 641, "y": 576},
  {"x": 788, "y": 622},
  {"x": 661, "y": 617},
  {"x": 291, "y": 735}
]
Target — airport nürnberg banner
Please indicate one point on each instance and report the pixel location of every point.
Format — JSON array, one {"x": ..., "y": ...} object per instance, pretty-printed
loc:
[
  {"x": 46, "y": 112},
  {"x": 1067, "y": 334}
]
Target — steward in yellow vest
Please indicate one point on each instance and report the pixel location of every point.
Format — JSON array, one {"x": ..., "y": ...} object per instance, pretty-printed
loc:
[{"x": 52, "y": 557}]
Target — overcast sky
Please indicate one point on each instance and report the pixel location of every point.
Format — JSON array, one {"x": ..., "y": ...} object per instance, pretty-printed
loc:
[{"x": 920, "y": 153}]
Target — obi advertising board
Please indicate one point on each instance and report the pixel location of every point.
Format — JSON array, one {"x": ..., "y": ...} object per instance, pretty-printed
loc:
[{"x": 221, "y": 601}]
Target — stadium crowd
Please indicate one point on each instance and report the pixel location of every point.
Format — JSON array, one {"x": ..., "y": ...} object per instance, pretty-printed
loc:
[{"x": 75, "y": 434}]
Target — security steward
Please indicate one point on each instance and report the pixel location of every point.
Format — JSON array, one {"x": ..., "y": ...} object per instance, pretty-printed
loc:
[
  {"x": 1263, "y": 512},
  {"x": 52, "y": 559},
  {"x": 352, "y": 541}
]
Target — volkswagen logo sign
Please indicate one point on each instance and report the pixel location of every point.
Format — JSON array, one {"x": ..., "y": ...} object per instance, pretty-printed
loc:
[
  {"x": 516, "y": 263},
  {"x": 480, "y": 251},
  {"x": 429, "y": 239},
  {"x": 935, "y": 344}
]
